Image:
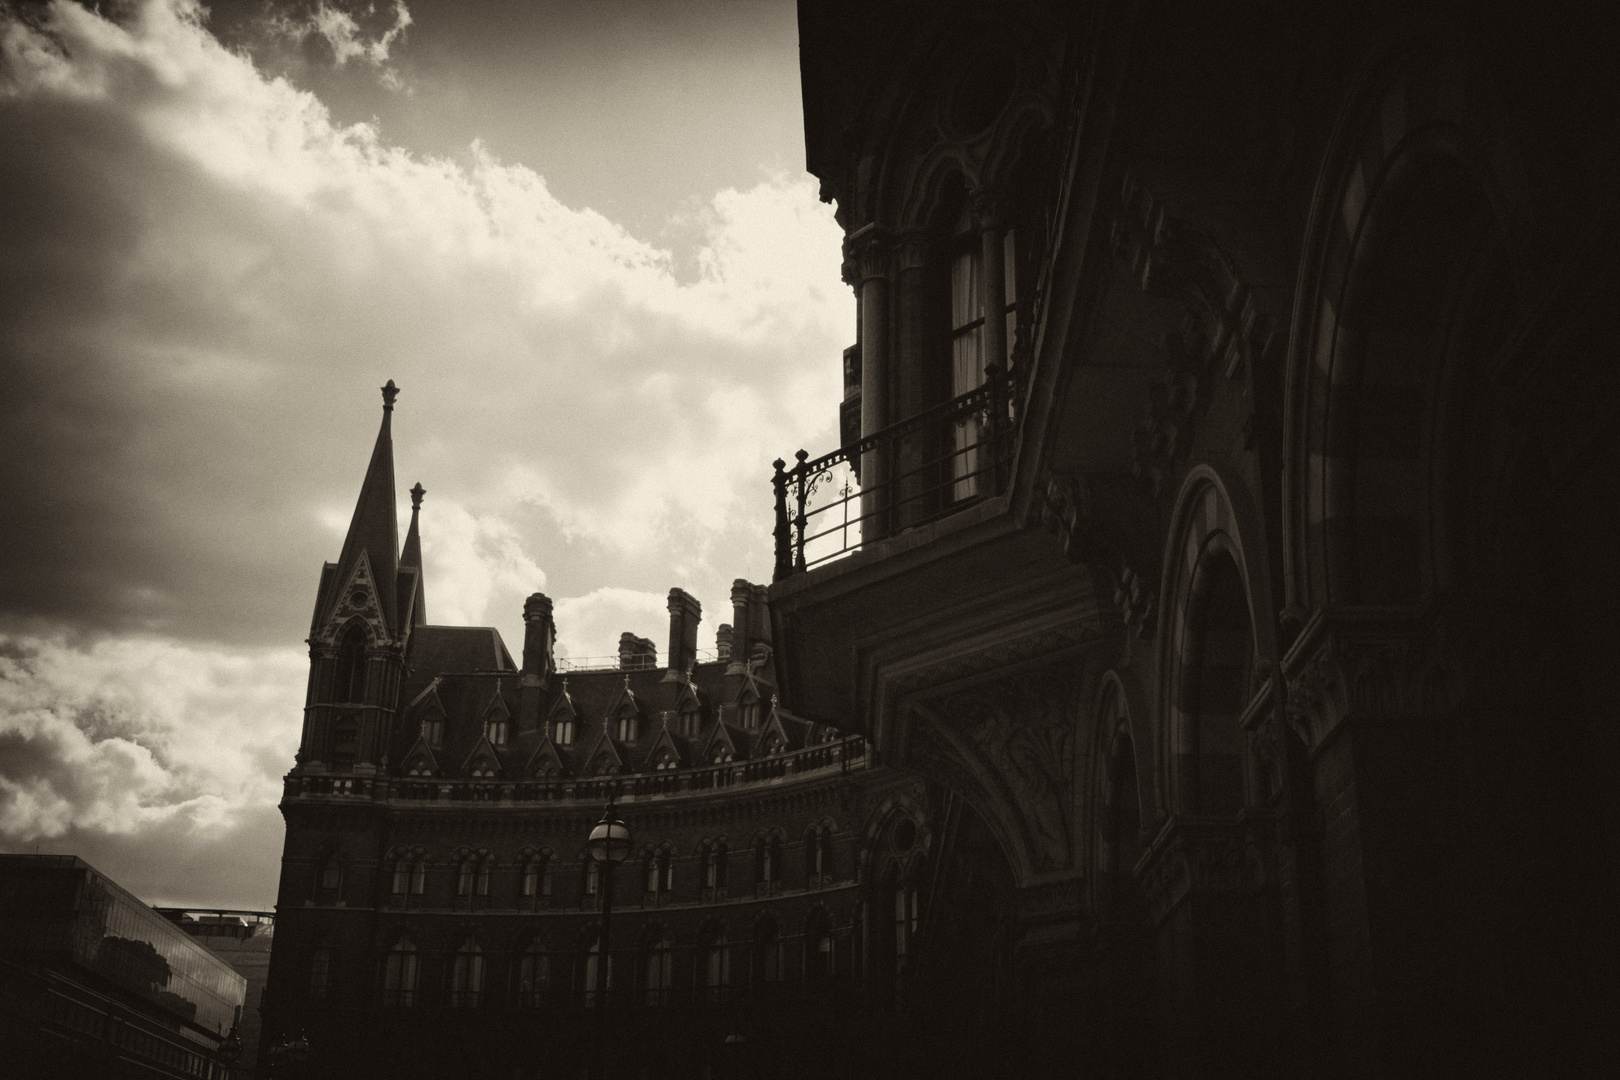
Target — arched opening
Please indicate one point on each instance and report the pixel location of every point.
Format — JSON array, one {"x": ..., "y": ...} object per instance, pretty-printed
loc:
[
  {"x": 349, "y": 673},
  {"x": 1216, "y": 664},
  {"x": 1122, "y": 830}
]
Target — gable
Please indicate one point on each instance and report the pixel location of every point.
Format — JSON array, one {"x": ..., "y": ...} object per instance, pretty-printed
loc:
[{"x": 357, "y": 598}]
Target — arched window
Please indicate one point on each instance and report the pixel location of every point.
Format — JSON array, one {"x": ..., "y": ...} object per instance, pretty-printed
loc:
[
  {"x": 418, "y": 876},
  {"x": 767, "y": 952},
  {"x": 905, "y": 923},
  {"x": 762, "y": 861},
  {"x": 432, "y": 733},
  {"x": 329, "y": 875},
  {"x": 628, "y": 725},
  {"x": 748, "y": 714},
  {"x": 818, "y": 947},
  {"x": 594, "y": 992},
  {"x": 464, "y": 877},
  {"x": 720, "y": 755},
  {"x": 1215, "y": 687},
  {"x": 660, "y": 970},
  {"x": 399, "y": 975},
  {"x": 495, "y": 728},
  {"x": 714, "y": 965},
  {"x": 402, "y": 876},
  {"x": 666, "y": 871},
  {"x": 690, "y": 720},
  {"x": 563, "y": 731},
  {"x": 467, "y": 977},
  {"x": 534, "y": 975},
  {"x": 536, "y": 879},
  {"x": 345, "y": 744},
  {"x": 481, "y": 881},
  {"x": 721, "y": 865},
  {"x": 349, "y": 676},
  {"x": 650, "y": 866},
  {"x": 320, "y": 967},
  {"x": 666, "y": 761}
]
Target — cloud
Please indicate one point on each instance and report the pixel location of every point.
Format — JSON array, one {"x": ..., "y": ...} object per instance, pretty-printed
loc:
[
  {"x": 588, "y": 627},
  {"x": 146, "y": 748},
  {"x": 341, "y": 30},
  {"x": 203, "y": 279}
]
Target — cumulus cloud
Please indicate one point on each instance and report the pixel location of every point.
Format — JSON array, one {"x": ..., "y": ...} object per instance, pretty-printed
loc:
[
  {"x": 204, "y": 278},
  {"x": 146, "y": 748},
  {"x": 342, "y": 31},
  {"x": 588, "y": 627}
]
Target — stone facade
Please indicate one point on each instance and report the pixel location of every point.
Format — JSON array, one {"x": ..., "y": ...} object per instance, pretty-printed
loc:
[{"x": 1273, "y": 651}]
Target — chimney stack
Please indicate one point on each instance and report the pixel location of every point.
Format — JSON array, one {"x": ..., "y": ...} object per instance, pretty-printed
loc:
[
  {"x": 722, "y": 641},
  {"x": 539, "y": 641},
  {"x": 636, "y": 653},
  {"x": 684, "y": 615}
]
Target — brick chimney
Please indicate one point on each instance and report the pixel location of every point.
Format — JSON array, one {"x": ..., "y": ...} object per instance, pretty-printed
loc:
[
  {"x": 742, "y": 606},
  {"x": 636, "y": 653},
  {"x": 722, "y": 641},
  {"x": 539, "y": 641},
  {"x": 684, "y": 615}
]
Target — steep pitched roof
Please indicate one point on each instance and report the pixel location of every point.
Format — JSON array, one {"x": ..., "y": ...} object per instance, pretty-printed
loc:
[
  {"x": 374, "y": 528},
  {"x": 420, "y": 755}
]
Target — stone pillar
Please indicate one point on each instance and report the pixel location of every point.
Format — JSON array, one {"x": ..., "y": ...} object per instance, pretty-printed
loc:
[
  {"x": 920, "y": 359},
  {"x": 684, "y": 615},
  {"x": 870, "y": 247}
]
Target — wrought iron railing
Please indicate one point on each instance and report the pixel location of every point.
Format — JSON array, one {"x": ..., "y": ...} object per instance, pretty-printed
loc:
[{"x": 920, "y": 469}]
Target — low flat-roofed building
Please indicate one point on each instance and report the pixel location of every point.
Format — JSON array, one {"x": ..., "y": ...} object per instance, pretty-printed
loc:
[{"x": 95, "y": 983}]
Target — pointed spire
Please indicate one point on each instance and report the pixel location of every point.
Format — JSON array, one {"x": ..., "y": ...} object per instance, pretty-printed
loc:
[
  {"x": 374, "y": 528},
  {"x": 412, "y": 555}
]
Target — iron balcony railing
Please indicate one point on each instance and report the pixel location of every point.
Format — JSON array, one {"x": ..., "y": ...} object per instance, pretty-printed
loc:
[{"x": 933, "y": 464}]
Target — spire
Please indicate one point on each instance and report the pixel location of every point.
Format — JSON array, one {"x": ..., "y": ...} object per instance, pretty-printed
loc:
[
  {"x": 412, "y": 556},
  {"x": 375, "y": 526}
]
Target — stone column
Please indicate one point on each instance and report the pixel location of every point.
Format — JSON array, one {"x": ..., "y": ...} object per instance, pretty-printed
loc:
[
  {"x": 871, "y": 249},
  {"x": 918, "y": 366}
]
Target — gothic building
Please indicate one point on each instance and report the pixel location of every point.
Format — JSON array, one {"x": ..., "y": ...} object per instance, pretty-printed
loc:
[
  {"x": 437, "y": 913},
  {"x": 1231, "y": 425}
]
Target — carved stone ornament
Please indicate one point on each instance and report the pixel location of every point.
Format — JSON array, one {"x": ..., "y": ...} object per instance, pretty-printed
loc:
[
  {"x": 1394, "y": 677},
  {"x": 1224, "y": 332},
  {"x": 1063, "y": 512},
  {"x": 869, "y": 252},
  {"x": 1201, "y": 857}
]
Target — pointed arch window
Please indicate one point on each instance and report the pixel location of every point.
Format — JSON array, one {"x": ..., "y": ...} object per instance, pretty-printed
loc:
[
  {"x": 562, "y": 731},
  {"x": 534, "y": 975},
  {"x": 748, "y": 714},
  {"x": 467, "y": 976},
  {"x": 320, "y": 969},
  {"x": 399, "y": 975},
  {"x": 905, "y": 924},
  {"x": 660, "y": 970},
  {"x": 593, "y": 878},
  {"x": 593, "y": 959},
  {"x": 536, "y": 887},
  {"x": 349, "y": 675},
  {"x": 629, "y": 726},
  {"x": 714, "y": 965},
  {"x": 418, "y": 876},
  {"x": 665, "y": 761},
  {"x": 818, "y": 947},
  {"x": 495, "y": 728},
  {"x": 767, "y": 952},
  {"x": 329, "y": 876},
  {"x": 690, "y": 719}
]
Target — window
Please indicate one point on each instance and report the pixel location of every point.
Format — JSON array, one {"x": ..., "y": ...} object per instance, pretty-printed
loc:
[
  {"x": 481, "y": 882},
  {"x": 905, "y": 923},
  {"x": 402, "y": 876},
  {"x": 418, "y": 876},
  {"x": 464, "y": 878},
  {"x": 329, "y": 878},
  {"x": 715, "y": 967},
  {"x": 534, "y": 975},
  {"x": 689, "y": 722},
  {"x": 594, "y": 992},
  {"x": 968, "y": 313},
  {"x": 563, "y": 732},
  {"x": 320, "y": 966},
  {"x": 628, "y": 726},
  {"x": 721, "y": 754},
  {"x": 818, "y": 947},
  {"x": 593, "y": 877},
  {"x": 666, "y": 871},
  {"x": 665, "y": 761},
  {"x": 534, "y": 871},
  {"x": 660, "y": 968},
  {"x": 467, "y": 977},
  {"x": 762, "y": 862},
  {"x": 345, "y": 741},
  {"x": 349, "y": 676},
  {"x": 748, "y": 714},
  {"x": 767, "y": 953},
  {"x": 545, "y": 876},
  {"x": 433, "y": 731},
  {"x": 652, "y": 873},
  {"x": 495, "y": 730},
  {"x": 399, "y": 976}
]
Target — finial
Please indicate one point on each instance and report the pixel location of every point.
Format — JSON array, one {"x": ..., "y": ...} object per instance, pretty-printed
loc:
[
  {"x": 390, "y": 392},
  {"x": 416, "y": 495},
  {"x": 627, "y": 682}
]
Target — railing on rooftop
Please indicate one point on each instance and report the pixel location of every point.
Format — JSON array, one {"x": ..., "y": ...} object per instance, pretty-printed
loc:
[
  {"x": 845, "y": 755},
  {"x": 641, "y": 662},
  {"x": 933, "y": 464}
]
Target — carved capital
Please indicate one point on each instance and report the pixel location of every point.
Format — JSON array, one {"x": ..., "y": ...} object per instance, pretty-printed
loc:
[
  {"x": 869, "y": 250},
  {"x": 913, "y": 250},
  {"x": 989, "y": 207},
  {"x": 1364, "y": 669},
  {"x": 1063, "y": 511}
]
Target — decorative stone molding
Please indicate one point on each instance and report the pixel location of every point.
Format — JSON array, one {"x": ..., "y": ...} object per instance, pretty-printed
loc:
[
  {"x": 1387, "y": 669},
  {"x": 1064, "y": 512},
  {"x": 1223, "y": 330},
  {"x": 913, "y": 249},
  {"x": 869, "y": 253},
  {"x": 1201, "y": 855}
]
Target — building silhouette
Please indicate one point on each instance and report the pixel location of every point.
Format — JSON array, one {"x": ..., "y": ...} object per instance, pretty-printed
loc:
[
  {"x": 437, "y": 914},
  {"x": 1230, "y": 435}
]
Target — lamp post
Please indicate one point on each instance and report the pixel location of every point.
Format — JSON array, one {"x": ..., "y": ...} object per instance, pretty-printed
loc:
[{"x": 608, "y": 845}]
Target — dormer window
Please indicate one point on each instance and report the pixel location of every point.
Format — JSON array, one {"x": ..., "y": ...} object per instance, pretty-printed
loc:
[
  {"x": 748, "y": 715},
  {"x": 433, "y": 731},
  {"x": 665, "y": 762},
  {"x": 484, "y": 770},
  {"x": 772, "y": 745},
  {"x": 628, "y": 726},
  {"x": 721, "y": 755},
  {"x": 495, "y": 730},
  {"x": 419, "y": 767},
  {"x": 563, "y": 732}
]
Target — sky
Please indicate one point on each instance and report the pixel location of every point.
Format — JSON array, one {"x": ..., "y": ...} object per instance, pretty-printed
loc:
[{"x": 578, "y": 236}]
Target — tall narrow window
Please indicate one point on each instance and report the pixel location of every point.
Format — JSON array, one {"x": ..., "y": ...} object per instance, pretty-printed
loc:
[
  {"x": 627, "y": 726},
  {"x": 594, "y": 993},
  {"x": 433, "y": 731},
  {"x": 402, "y": 876},
  {"x": 563, "y": 733},
  {"x": 716, "y": 968},
  {"x": 905, "y": 924},
  {"x": 708, "y": 865},
  {"x": 651, "y": 865},
  {"x": 666, "y": 871},
  {"x": 767, "y": 954},
  {"x": 531, "y": 879},
  {"x": 534, "y": 975},
  {"x": 331, "y": 873},
  {"x": 320, "y": 966},
  {"x": 545, "y": 875},
  {"x": 464, "y": 878},
  {"x": 481, "y": 881},
  {"x": 418, "y": 877},
  {"x": 592, "y": 878},
  {"x": 467, "y": 977},
  {"x": 349, "y": 677},
  {"x": 495, "y": 730},
  {"x": 399, "y": 976},
  {"x": 660, "y": 967},
  {"x": 818, "y": 954},
  {"x": 689, "y": 722}
]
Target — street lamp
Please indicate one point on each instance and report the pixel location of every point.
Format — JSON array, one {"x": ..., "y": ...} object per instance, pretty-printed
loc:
[{"x": 609, "y": 845}]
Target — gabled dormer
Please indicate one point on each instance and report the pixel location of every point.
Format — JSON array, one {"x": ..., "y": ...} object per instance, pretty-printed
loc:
[
  {"x": 429, "y": 714},
  {"x": 624, "y": 717},
  {"x": 482, "y": 763},
  {"x": 497, "y": 718},
  {"x": 562, "y": 722},
  {"x": 419, "y": 760},
  {"x": 779, "y": 734},
  {"x": 545, "y": 763},
  {"x": 687, "y": 718},
  {"x": 665, "y": 752},
  {"x": 604, "y": 758},
  {"x": 750, "y": 701},
  {"x": 720, "y": 747}
]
